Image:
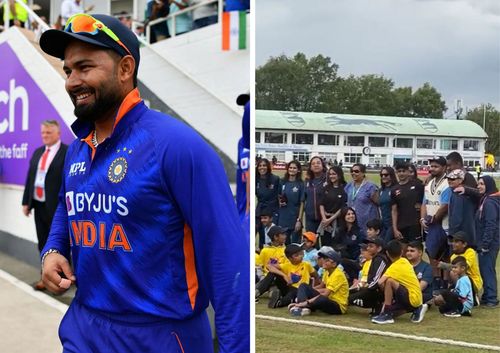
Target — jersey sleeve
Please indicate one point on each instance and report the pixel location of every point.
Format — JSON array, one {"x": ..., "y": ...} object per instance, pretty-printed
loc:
[
  {"x": 444, "y": 199},
  {"x": 196, "y": 181}
]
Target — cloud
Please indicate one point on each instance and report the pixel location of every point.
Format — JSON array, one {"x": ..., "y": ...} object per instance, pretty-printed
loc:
[{"x": 453, "y": 44}]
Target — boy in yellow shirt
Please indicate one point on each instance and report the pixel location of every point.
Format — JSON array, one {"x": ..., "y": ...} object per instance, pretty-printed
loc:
[
  {"x": 274, "y": 253},
  {"x": 331, "y": 296},
  {"x": 289, "y": 276},
  {"x": 460, "y": 247},
  {"x": 401, "y": 288}
]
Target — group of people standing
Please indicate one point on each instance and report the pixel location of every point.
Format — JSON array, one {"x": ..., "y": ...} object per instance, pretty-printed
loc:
[{"x": 403, "y": 207}]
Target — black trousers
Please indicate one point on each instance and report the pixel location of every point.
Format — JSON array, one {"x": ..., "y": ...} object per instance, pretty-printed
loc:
[
  {"x": 43, "y": 220},
  {"x": 288, "y": 293},
  {"x": 322, "y": 303},
  {"x": 451, "y": 302},
  {"x": 366, "y": 298}
]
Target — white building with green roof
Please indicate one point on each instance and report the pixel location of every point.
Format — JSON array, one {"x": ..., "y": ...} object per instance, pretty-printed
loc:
[{"x": 367, "y": 139}]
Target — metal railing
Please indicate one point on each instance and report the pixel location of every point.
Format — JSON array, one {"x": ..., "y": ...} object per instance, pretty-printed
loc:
[
  {"x": 181, "y": 12},
  {"x": 31, "y": 13}
]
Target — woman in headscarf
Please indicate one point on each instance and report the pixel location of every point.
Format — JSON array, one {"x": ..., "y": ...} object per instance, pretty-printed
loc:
[{"x": 488, "y": 233}]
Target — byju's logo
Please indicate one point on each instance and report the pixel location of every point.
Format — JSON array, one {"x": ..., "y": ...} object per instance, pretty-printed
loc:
[
  {"x": 77, "y": 168},
  {"x": 70, "y": 204}
]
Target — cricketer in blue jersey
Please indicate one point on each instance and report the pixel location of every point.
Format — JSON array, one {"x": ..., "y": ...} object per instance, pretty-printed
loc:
[
  {"x": 243, "y": 170},
  {"x": 145, "y": 212}
]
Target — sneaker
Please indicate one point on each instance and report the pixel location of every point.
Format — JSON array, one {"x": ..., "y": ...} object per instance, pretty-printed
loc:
[
  {"x": 275, "y": 299},
  {"x": 453, "y": 314},
  {"x": 384, "y": 318},
  {"x": 491, "y": 305},
  {"x": 296, "y": 311},
  {"x": 291, "y": 306},
  {"x": 305, "y": 312},
  {"x": 256, "y": 300},
  {"x": 358, "y": 302},
  {"x": 418, "y": 315}
]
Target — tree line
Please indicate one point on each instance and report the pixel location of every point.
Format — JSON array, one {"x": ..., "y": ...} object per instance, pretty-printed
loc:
[{"x": 313, "y": 85}]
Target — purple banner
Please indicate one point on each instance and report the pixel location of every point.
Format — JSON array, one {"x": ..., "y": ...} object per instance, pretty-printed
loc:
[{"x": 23, "y": 107}]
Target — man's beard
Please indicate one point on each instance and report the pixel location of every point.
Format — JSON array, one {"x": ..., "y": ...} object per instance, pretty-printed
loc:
[{"x": 108, "y": 100}]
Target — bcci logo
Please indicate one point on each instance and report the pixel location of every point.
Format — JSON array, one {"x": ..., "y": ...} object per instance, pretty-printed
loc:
[{"x": 117, "y": 170}]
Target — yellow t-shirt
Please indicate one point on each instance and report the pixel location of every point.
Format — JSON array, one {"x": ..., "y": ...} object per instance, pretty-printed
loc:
[
  {"x": 364, "y": 270},
  {"x": 271, "y": 254},
  {"x": 300, "y": 273},
  {"x": 472, "y": 267},
  {"x": 402, "y": 271},
  {"x": 337, "y": 283}
]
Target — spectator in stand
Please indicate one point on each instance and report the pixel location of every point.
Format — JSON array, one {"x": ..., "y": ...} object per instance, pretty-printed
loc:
[
  {"x": 455, "y": 161},
  {"x": 488, "y": 233},
  {"x": 406, "y": 199},
  {"x": 362, "y": 195},
  {"x": 183, "y": 22},
  {"x": 315, "y": 183},
  {"x": 204, "y": 15},
  {"x": 267, "y": 191},
  {"x": 422, "y": 269},
  {"x": 125, "y": 18},
  {"x": 461, "y": 209},
  {"x": 291, "y": 201},
  {"x": 434, "y": 218},
  {"x": 17, "y": 14},
  {"x": 332, "y": 201},
  {"x": 156, "y": 9},
  {"x": 72, "y": 7},
  {"x": 387, "y": 180}
]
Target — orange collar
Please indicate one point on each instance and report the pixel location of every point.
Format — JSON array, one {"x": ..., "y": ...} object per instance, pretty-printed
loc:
[{"x": 131, "y": 100}]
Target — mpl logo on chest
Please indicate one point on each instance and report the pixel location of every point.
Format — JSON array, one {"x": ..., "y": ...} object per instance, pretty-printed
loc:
[{"x": 77, "y": 169}]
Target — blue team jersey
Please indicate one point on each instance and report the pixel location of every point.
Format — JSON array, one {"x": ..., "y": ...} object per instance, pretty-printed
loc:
[
  {"x": 152, "y": 226},
  {"x": 241, "y": 178}
]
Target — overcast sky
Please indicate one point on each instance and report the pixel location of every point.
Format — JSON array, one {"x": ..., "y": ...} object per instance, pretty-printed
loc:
[{"x": 453, "y": 44}]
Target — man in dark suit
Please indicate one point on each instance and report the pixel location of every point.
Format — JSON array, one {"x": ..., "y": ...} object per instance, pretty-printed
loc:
[{"x": 44, "y": 181}]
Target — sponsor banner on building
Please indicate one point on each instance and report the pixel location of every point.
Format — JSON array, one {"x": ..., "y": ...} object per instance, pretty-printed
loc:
[{"x": 23, "y": 107}]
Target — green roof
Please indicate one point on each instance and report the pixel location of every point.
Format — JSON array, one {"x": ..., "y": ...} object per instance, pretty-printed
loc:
[{"x": 366, "y": 124}]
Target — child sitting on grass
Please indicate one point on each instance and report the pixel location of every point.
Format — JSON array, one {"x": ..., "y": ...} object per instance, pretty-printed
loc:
[
  {"x": 365, "y": 261},
  {"x": 289, "y": 276},
  {"x": 401, "y": 288},
  {"x": 310, "y": 252},
  {"x": 331, "y": 296},
  {"x": 459, "y": 300},
  {"x": 460, "y": 247},
  {"x": 274, "y": 253}
]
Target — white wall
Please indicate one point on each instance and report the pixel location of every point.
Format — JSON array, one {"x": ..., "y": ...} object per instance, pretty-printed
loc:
[{"x": 199, "y": 54}]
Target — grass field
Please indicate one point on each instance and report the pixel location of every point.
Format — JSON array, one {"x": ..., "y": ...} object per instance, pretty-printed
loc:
[{"x": 483, "y": 328}]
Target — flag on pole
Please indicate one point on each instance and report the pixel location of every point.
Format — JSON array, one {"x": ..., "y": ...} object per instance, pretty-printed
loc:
[{"x": 234, "y": 30}]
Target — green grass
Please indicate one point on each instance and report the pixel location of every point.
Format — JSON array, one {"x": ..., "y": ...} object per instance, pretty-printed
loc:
[
  {"x": 482, "y": 327},
  {"x": 299, "y": 339}
]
